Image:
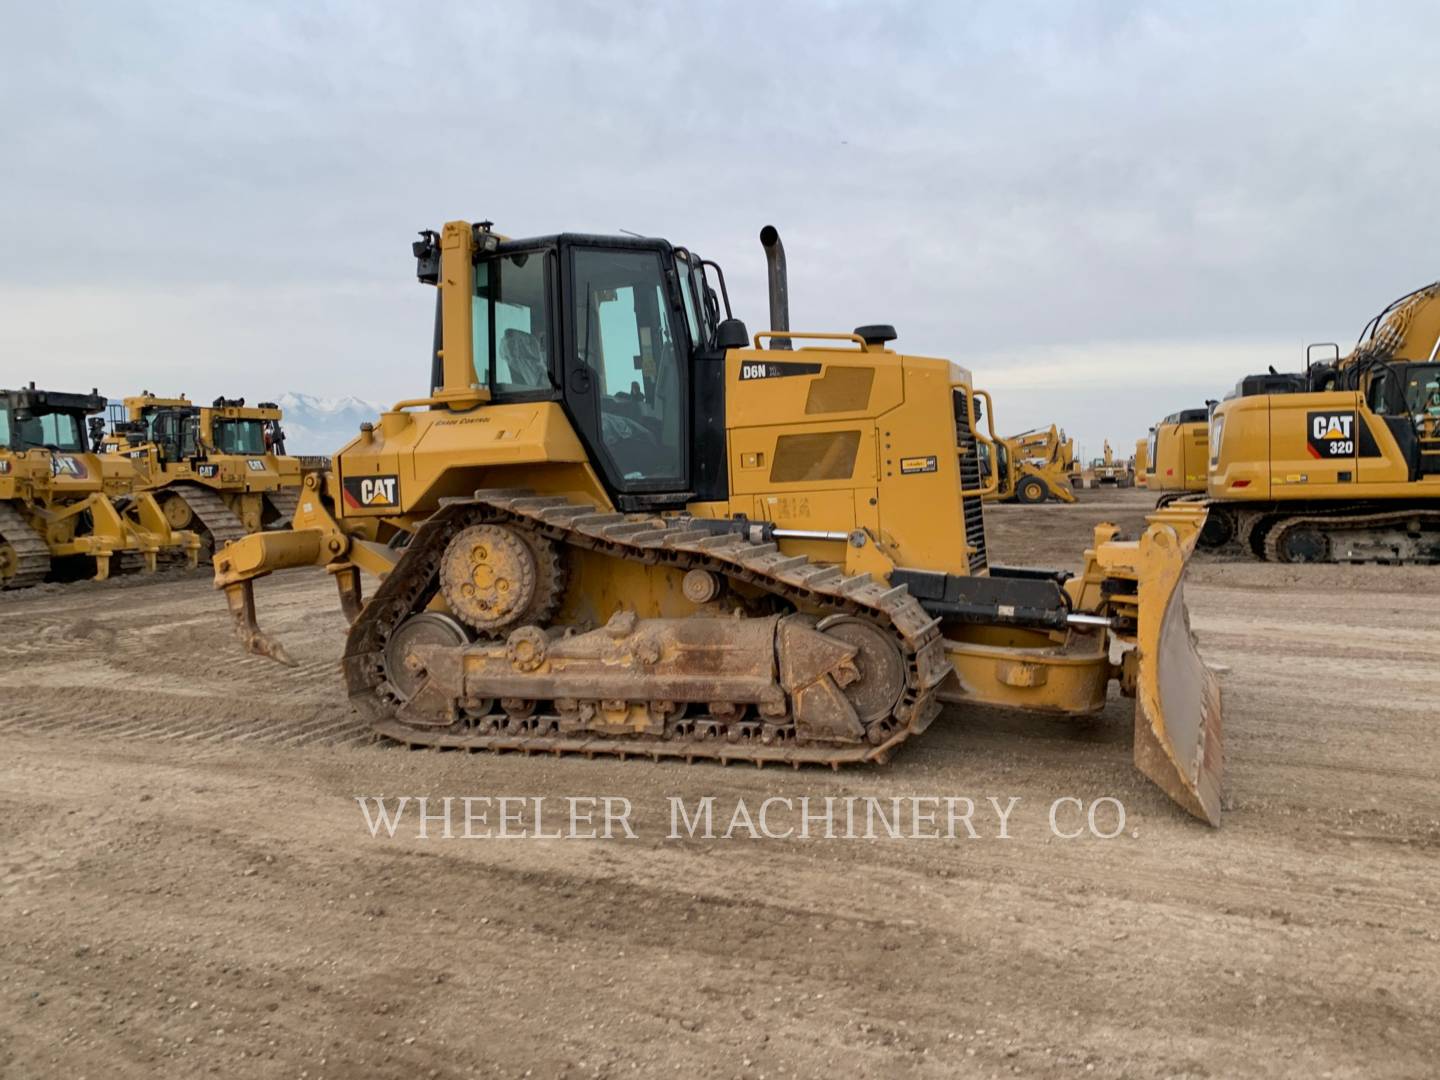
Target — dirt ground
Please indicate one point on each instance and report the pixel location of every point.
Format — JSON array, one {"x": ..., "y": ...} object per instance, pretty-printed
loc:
[{"x": 188, "y": 887}]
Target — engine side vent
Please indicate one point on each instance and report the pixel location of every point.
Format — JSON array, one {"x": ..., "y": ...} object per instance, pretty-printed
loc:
[
  {"x": 970, "y": 480},
  {"x": 824, "y": 455}
]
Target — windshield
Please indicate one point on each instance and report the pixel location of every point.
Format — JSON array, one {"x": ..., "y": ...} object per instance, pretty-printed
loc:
[
  {"x": 1419, "y": 395},
  {"x": 239, "y": 436},
  {"x": 56, "y": 431}
]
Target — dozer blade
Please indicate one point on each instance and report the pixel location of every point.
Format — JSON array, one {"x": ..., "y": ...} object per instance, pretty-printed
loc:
[{"x": 1177, "y": 698}]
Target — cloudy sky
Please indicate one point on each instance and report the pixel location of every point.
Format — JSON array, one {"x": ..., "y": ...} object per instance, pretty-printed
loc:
[{"x": 1108, "y": 211}]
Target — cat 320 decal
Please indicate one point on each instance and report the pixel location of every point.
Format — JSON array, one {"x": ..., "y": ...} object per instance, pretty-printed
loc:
[{"x": 1332, "y": 435}]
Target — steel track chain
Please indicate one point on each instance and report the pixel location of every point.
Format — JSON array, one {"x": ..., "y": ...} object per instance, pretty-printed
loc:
[
  {"x": 675, "y": 542},
  {"x": 1275, "y": 537},
  {"x": 222, "y": 523},
  {"x": 32, "y": 554}
]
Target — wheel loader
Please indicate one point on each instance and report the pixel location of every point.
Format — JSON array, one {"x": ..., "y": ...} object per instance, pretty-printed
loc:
[
  {"x": 220, "y": 470},
  {"x": 1340, "y": 462},
  {"x": 60, "y": 500},
  {"x": 1033, "y": 467},
  {"x": 619, "y": 523},
  {"x": 1178, "y": 455}
]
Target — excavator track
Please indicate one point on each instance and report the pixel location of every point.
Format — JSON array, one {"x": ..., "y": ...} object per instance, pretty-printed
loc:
[
  {"x": 26, "y": 546},
  {"x": 1392, "y": 537},
  {"x": 284, "y": 502},
  {"x": 724, "y": 733},
  {"x": 220, "y": 522}
]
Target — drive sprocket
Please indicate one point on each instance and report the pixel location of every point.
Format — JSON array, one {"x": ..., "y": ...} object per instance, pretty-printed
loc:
[{"x": 495, "y": 577}]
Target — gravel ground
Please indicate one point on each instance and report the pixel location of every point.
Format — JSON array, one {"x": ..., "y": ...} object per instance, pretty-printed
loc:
[{"x": 188, "y": 887}]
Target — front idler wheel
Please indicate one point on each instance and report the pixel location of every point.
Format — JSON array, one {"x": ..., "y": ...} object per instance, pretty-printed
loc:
[
  {"x": 428, "y": 628},
  {"x": 876, "y": 691}
]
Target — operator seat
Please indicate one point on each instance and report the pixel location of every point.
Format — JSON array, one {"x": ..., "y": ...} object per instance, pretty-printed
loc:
[{"x": 525, "y": 357}]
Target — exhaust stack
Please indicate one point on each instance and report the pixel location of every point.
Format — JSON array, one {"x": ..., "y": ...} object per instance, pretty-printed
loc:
[{"x": 779, "y": 284}]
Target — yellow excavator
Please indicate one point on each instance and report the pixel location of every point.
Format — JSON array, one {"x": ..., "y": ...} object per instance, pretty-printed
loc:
[
  {"x": 617, "y": 523},
  {"x": 1339, "y": 463},
  {"x": 1107, "y": 471},
  {"x": 1177, "y": 455},
  {"x": 220, "y": 470},
  {"x": 1033, "y": 466},
  {"x": 62, "y": 501}
]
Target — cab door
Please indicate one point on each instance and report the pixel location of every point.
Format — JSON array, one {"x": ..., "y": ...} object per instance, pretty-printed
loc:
[{"x": 626, "y": 374}]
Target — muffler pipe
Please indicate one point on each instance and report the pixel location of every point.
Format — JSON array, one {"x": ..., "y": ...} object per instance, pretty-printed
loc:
[{"x": 779, "y": 284}]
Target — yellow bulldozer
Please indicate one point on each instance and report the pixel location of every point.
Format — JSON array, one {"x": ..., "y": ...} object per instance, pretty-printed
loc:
[
  {"x": 1340, "y": 463},
  {"x": 1033, "y": 466},
  {"x": 617, "y": 523},
  {"x": 1178, "y": 455},
  {"x": 220, "y": 470},
  {"x": 62, "y": 502}
]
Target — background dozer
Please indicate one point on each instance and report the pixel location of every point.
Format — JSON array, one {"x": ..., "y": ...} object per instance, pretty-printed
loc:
[
  {"x": 1340, "y": 463},
  {"x": 1178, "y": 456},
  {"x": 220, "y": 470},
  {"x": 61, "y": 501},
  {"x": 1032, "y": 467},
  {"x": 616, "y": 523}
]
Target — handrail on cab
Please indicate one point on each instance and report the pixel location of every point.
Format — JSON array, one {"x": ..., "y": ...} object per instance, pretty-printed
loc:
[{"x": 791, "y": 334}]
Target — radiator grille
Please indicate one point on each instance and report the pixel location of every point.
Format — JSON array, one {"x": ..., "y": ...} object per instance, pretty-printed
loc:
[{"x": 970, "y": 480}]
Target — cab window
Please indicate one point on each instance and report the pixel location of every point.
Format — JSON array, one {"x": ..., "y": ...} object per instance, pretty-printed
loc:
[
  {"x": 55, "y": 431},
  {"x": 512, "y": 324},
  {"x": 239, "y": 436}
]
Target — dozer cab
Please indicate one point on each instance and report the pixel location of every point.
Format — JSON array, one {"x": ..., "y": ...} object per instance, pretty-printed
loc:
[
  {"x": 1178, "y": 456},
  {"x": 61, "y": 500},
  {"x": 220, "y": 470},
  {"x": 1341, "y": 462},
  {"x": 1032, "y": 467},
  {"x": 618, "y": 523}
]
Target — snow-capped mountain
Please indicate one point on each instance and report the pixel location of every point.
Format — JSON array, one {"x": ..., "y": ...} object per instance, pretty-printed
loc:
[{"x": 316, "y": 425}]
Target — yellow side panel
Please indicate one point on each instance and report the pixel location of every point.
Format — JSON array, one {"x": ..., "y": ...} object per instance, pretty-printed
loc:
[
  {"x": 823, "y": 432},
  {"x": 1293, "y": 463},
  {"x": 921, "y": 518},
  {"x": 1195, "y": 439},
  {"x": 1241, "y": 428},
  {"x": 1388, "y": 468},
  {"x": 439, "y": 453}
]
